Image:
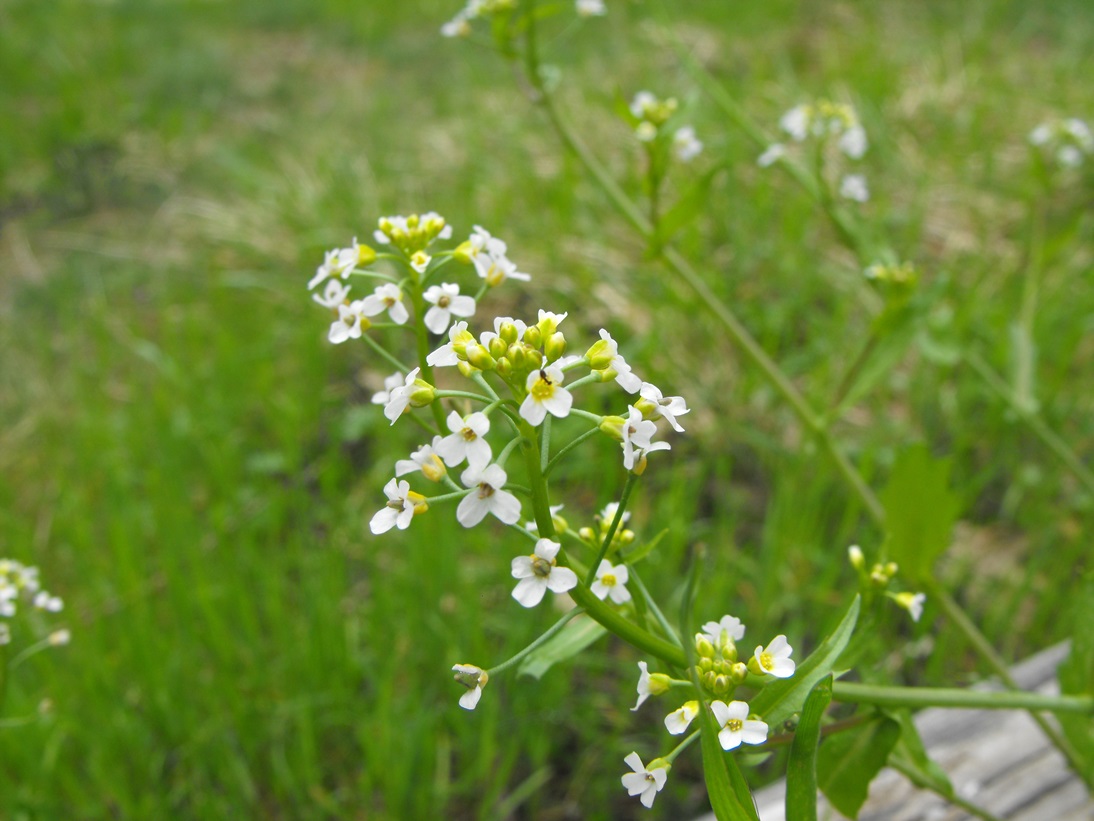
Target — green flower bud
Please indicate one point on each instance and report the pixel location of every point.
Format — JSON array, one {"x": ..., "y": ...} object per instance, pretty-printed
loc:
[
  {"x": 599, "y": 356},
  {"x": 464, "y": 253},
  {"x": 535, "y": 358},
  {"x": 497, "y": 347},
  {"x": 423, "y": 394},
  {"x": 721, "y": 685},
  {"x": 856, "y": 557},
  {"x": 613, "y": 427},
  {"x": 586, "y": 535},
  {"x": 729, "y": 651},
  {"x": 533, "y": 337},
  {"x": 508, "y": 332},
  {"x": 555, "y": 346},
  {"x": 505, "y": 367},
  {"x": 478, "y": 356},
  {"x": 365, "y": 255},
  {"x": 518, "y": 356},
  {"x": 703, "y": 647},
  {"x": 705, "y": 665},
  {"x": 738, "y": 673}
]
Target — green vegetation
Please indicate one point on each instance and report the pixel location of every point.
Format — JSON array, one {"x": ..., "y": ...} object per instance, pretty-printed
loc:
[{"x": 194, "y": 467}]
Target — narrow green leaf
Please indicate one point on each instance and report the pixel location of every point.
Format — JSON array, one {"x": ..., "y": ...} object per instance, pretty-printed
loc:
[
  {"x": 918, "y": 766},
  {"x": 920, "y": 511},
  {"x": 691, "y": 202},
  {"x": 849, "y": 761},
  {"x": 1076, "y": 673},
  {"x": 643, "y": 550},
  {"x": 801, "y": 769},
  {"x": 730, "y": 797},
  {"x": 571, "y": 640},
  {"x": 780, "y": 700}
]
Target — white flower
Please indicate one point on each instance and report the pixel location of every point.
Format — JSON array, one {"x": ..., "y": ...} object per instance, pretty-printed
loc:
[
  {"x": 399, "y": 398},
  {"x": 390, "y": 383},
  {"x": 853, "y": 187},
  {"x": 558, "y": 521},
  {"x": 637, "y": 439},
  {"x": 351, "y": 323},
  {"x": 425, "y": 459},
  {"x": 445, "y": 356},
  {"x": 721, "y": 632},
  {"x": 642, "y": 102},
  {"x": 1041, "y": 134},
  {"x": 607, "y": 515},
  {"x": 736, "y": 725},
  {"x": 645, "y": 132},
  {"x": 474, "y": 679},
  {"x": 775, "y": 658},
  {"x": 545, "y": 395},
  {"x": 489, "y": 256},
  {"x": 539, "y": 573},
  {"x": 773, "y": 153},
  {"x": 625, "y": 378},
  {"x": 402, "y": 504},
  {"x": 643, "y": 685},
  {"x": 387, "y": 297},
  {"x": 853, "y": 142},
  {"x": 458, "y": 26},
  {"x": 668, "y": 407},
  {"x": 610, "y": 581},
  {"x": 466, "y": 440},
  {"x": 643, "y": 782},
  {"x": 337, "y": 263},
  {"x": 913, "y": 603},
  {"x": 59, "y": 638},
  {"x": 333, "y": 295},
  {"x": 419, "y": 261},
  {"x": 686, "y": 145},
  {"x": 447, "y": 302},
  {"x": 678, "y": 721},
  {"x": 51, "y": 604},
  {"x": 591, "y": 8},
  {"x": 795, "y": 122},
  {"x": 487, "y": 496}
]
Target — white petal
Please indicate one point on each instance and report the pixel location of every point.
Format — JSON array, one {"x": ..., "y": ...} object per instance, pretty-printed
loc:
[
  {"x": 471, "y": 510},
  {"x": 505, "y": 506},
  {"x": 561, "y": 580},
  {"x": 633, "y": 760},
  {"x": 529, "y": 592},
  {"x": 471, "y": 698}
]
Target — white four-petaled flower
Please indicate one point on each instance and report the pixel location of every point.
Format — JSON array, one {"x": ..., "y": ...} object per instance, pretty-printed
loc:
[
  {"x": 678, "y": 721},
  {"x": 546, "y": 395},
  {"x": 400, "y": 508},
  {"x": 736, "y": 726},
  {"x": 334, "y": 294},
  {"x": 399, "y": 398},
  {"x": 447, "y": 303},
  {"x": 351, "y": 323},
  {"x": 466, "y": 440},
  {"x": 474, "y": 679},
  {"x": 387, "y": 297},
  {"x": 668, "y": 407},
  {"x": 642, "y": 782},
  {"x": 425, "y": 459},
  {"x": 775, "y": 658},
  {"x": 687, "y": 146},
  {"x": 720, "y": 632},
  {"x": 610, "y": 582},
  {"x": 638, "y": 438},
  {"x": 539, "y": 572},
  {"x": 486, "y": 496}
]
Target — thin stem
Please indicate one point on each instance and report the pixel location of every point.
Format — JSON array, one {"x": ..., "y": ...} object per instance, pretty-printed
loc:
[
  {"x": 670, "y": 631},
  {"x": 683, "y": 745},
  {"x": 391, "y": 360},
  {"x": 918, "y": 697},
  {"x": 951, "y": 797},
  {"x": 551, "y": 631},
  {"x": 567, "y": 448},
  {"x": 619, "y": 510}
]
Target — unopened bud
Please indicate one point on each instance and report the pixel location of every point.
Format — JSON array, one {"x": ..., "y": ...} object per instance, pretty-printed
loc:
[
  {"x": 365, "y": 255},
  {"x": 858, "y": 560},
  {"x": 703, "y": 647},
  {"x": 497, "y": 347},
  {"x": 478, "y": 356},
  {"x": 555, "y": 346},
  {"x": 423, "y": 394},
  {"x": 613, "y": 427},
  {"x": 533, "y": 337},
  {"x": 464, "y": 253},
  {"x": 599, "y": 356},
  {"x": 508, "y": 331}
]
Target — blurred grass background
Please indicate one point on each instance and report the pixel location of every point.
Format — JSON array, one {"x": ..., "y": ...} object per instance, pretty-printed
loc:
[{"x": 193, "y": 466}]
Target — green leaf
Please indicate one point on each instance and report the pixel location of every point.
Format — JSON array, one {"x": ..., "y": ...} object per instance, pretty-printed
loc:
[
  {"x": 571, "y": 640},
  {"x": 918, "y": 766},
  {"x": 730, "y": 797},
  {"x": 920, "y": 511},
  {"x": 690, "y": 203},
  {"x": 780, "y": 700},
  {"x": 640, "y": 552},
  {"x": 801, "y": 769},
  {"x": 849, "y": 761},
  {"x": 1076, "y": 672}
]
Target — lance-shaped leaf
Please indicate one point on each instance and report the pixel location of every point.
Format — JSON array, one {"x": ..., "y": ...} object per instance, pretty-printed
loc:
[
  {"x": 567, "y": 643},
  {"x": 730, "y": 797},
  {"x": 920, "y": 510},
  {"x": 917, "y": 766},
  {"x": 849, "y": 761},
  {"x": 781, "y": 699},
  {"x": 801, "y": 769}
]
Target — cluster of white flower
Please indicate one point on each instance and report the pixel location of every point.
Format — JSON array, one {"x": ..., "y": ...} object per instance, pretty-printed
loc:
[
  {"x": 650, "y": 116},
  {"x": 21, "y": 582},
  {"x": 720, "y": 673},
  {"x": 460, "y": 24},
  {"x": 1068, "y": 141},
  {"x": 823, "y": 121}
]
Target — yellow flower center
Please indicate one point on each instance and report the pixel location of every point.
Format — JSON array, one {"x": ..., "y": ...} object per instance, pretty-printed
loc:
[
  {"x": 608, "y": 580},
  {"x": 485, "y": 490},
  {"x": 766, "y": 661},
  {"x": 544, "y": 388},
  {"x": 541, "y": 567},
  {"x": 444, "y": 302},
  {"x": 734, "y": 725}
]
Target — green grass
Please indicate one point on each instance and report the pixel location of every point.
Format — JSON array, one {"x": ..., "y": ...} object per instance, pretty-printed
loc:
[{"x": 188, "y": 460}]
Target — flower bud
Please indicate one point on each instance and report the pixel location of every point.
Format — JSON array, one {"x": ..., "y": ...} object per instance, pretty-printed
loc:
[
  {"x": 599, "y": 356},
  {"x": 466, "y": 369},
  {"x": 721, "y": 685},
  {"x": 365, "y": 255},
  {"x": 659, "y": 684},
  {"x": 703, "y": 647},
  {"x": 586, "y": 535},
  {"x": 535, "y": 358},
  {"x": 497, "y": 347},
  {"x": 478, "y": 356},
  {"x": 505, "y": 367},
  {"x": 858, "y": 560},
  {"x": 613, "y": 427},
  {"x": 508, "y": 331},
  {"x": 705, "y": 665},
  {"x": 891, "y": 569},
  {"x": 517, "y": 355},
  {"x": 533, "y": 337},
  {"x": 738, "y": 673},
  {"x": 729, "y": 650},
  {"x": 555, "y": 346},
  {"x": 464, "y": 253},
  {"x": 423, "y": 394}
]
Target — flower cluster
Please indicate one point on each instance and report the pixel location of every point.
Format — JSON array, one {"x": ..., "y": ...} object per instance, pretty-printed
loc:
[
  {"x": 720, "y": 672},
  {"x": 879, "y": 576},
  {"x": 460, "y": 24},
  {"x": 650, "y": 115},
  {"x": 19, "y": 584},
  {"x": 1067, "y": 142},
  {"x": 825, "y": 121}
]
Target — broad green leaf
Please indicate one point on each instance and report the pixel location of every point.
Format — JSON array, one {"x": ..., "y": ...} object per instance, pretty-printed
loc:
[
  {"x": 571, "y": 640},
  {"x": 920, "y": 511},
  {"x": 730, "y": 797},
  {"x": 780, "y": 700},
  {"x": 918, "y": 766},
  {"x": 849, "y": 761},
  {"x": 1076, "y": 673},
  {"x": 801, "y": 769}
]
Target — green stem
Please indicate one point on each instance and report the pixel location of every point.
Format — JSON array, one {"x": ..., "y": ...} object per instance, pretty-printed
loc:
[
  {"x": 613, "y": 527},
  {"x": 391, "y": 360},
  {"x": 657, "y": 614},
  {"x": 918, "y": 697},
  {"x": 567, "y": 448},
  {"x": 551, "y": 631}
]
